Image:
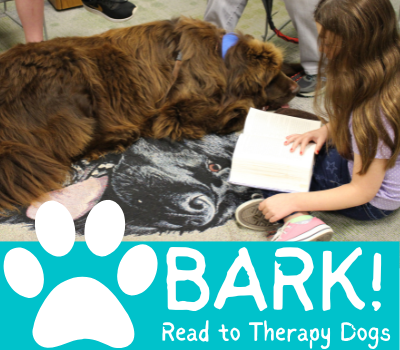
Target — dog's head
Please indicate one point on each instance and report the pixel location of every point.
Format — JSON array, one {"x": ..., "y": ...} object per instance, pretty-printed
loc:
[
  {"x": 254, "y": 69},
  {"x": 177, "y": 186}
]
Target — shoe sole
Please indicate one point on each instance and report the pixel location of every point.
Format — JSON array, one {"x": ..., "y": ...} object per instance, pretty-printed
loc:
[
  {"x": 297, "y": 76},
  {"x": 241, "y": 217},
  {"x": 306, "y": 94},
  {"x": 115, "y": 20},
  {"x": 321, "y": 233},
  {"x": 309, "y": 94}
]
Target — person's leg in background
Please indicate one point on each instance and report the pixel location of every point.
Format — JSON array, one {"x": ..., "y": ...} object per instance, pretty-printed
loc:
[
  {"x": 31, "y": 14},
  {"x": 301, "y": 13},
  {"x": 224, "y": 13},
  {"x": 113, "y": 10}
]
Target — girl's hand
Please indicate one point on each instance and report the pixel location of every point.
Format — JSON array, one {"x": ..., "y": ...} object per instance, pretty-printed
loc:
[
  {"x": 278, "y": 206},
  {"x": 318, "y": 136}
]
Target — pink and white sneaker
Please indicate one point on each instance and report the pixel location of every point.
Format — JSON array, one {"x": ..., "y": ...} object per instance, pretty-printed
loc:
[{"x": 304, "y": 228}]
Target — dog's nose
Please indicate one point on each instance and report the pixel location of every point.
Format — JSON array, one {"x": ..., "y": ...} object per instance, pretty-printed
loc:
[
  {"x": 295, "y": 88},
  {"x": 198, "y": 207}
]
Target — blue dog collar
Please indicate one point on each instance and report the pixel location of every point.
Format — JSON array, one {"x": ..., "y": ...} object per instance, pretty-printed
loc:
[{"x": 228, "y": 40}]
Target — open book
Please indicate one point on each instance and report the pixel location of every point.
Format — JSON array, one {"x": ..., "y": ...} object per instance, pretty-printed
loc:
[{"x": 261, "y": 160}]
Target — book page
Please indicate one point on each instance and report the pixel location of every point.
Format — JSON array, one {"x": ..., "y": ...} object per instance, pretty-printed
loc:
[
  {"x": 265, "y": 162},
  {"x": 262, "y": 149},
  {"x": 282, "y": 181},
  {"x": 267, "y": 123}
]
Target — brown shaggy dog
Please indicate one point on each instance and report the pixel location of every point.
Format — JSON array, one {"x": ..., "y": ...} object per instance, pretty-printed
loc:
[{"x": 70, "y": 98}]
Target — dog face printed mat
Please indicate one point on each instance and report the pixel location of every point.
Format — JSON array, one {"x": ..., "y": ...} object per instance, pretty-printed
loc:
[{"x": 163, "y": 187}]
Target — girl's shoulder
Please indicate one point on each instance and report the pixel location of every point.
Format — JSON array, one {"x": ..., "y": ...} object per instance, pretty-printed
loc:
[{"x": 383, "y": 151}]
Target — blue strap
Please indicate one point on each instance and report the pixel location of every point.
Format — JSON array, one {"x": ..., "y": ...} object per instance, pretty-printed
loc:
[{"x": 228, "y": 40}]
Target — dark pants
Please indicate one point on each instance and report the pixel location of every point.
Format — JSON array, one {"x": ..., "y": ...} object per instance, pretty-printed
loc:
[{"x": 330, "y": 171}]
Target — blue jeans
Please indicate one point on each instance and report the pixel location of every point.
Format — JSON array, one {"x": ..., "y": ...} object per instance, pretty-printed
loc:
[{"x": 331, "y": 171}]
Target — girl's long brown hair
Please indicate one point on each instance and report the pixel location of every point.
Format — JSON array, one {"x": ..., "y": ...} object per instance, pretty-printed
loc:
[{"x": 362, "y": 75}]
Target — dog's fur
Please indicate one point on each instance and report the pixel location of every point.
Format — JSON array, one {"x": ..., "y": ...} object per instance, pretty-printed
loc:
[{"x": 72, "y": 98}]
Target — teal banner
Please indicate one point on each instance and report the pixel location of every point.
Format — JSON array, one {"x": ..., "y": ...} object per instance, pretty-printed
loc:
[{"x": 223, "y": 295}]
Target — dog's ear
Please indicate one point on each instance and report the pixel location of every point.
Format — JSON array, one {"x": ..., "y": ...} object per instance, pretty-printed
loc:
[
  {"x": 263, "y": 54},
  {"x": 251, "y": 52},
  {"x": 251, "y": 65},
  {"x": 198, "y": 40},
  {"x": 202, "y": 68}
]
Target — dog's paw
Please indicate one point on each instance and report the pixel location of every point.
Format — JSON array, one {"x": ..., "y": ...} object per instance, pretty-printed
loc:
[
  {"x": 233, "y": 117},
  {"x": 182, "y": 120},
  {"x": 94, "y": 155}
]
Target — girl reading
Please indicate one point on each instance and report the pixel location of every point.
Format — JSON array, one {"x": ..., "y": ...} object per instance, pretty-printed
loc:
[{"x": 357, "y": 168}]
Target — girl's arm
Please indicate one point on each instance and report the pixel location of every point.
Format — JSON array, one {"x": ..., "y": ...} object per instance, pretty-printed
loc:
[{"x": 360, "y": 190}]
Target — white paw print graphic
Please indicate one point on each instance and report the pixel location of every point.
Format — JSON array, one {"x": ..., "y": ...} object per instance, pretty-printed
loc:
[{"x": 100, "y": 314}]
